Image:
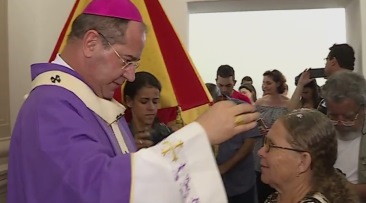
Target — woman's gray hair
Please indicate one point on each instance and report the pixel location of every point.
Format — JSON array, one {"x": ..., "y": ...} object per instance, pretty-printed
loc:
[{"x": 345, "y": 85}]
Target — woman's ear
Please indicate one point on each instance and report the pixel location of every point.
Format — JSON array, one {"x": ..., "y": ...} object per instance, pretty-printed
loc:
[
  {"x": 305, "y": 162},
  {"x": 129, "y": 101}
]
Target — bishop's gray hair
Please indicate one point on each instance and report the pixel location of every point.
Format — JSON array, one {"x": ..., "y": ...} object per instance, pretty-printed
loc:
[{"x": 345, "y": 85}]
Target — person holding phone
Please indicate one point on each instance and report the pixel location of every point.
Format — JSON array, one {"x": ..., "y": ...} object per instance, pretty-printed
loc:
[
  {"x": 341, "y": 57},
  {"x": 306, "y": 94}
]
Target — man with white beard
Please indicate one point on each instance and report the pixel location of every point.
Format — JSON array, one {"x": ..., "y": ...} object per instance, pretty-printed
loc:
[{"x": 345, "y": 96}]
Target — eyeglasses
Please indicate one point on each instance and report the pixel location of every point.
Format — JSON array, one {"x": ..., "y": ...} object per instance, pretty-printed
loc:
[
  {"x": 268, "y": 145},
  {"x": 347, "y": 123},
  {"x": 126, "y": 64}
]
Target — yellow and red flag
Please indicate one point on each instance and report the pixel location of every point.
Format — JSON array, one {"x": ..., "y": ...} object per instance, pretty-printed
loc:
[{"x": 165, "y": 57}]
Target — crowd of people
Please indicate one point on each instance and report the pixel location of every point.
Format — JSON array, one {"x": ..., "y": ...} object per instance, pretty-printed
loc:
[{"x": 72, "y": 143}]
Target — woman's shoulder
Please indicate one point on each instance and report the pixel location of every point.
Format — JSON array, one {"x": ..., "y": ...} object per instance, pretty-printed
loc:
[
  {"x": 310, "y": 198},
  {"x": 262, "y": 101},
  {"x": 316, "y": 197},
  {"x": 266, "y": 101}
]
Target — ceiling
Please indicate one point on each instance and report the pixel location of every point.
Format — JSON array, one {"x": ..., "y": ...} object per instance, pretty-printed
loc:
[{"x": 208, "y": 6}]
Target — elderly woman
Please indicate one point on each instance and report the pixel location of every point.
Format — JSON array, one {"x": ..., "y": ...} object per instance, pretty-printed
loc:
[{"x": 297, "y": 160}]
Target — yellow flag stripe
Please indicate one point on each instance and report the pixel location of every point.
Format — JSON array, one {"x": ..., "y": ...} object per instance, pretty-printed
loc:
[{"x": 152, "y": 60}]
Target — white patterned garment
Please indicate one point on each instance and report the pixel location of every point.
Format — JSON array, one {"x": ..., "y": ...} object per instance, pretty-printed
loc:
[{"x": 310, "y": 198}]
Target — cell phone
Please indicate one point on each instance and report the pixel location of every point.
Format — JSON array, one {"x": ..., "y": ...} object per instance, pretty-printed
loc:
[
  {"x": 262, "y": 124},
  {"x": 317, "y": 73}
]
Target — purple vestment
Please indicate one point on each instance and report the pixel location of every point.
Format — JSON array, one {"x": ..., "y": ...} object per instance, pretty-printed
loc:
[{"x": 62, "y": 152}]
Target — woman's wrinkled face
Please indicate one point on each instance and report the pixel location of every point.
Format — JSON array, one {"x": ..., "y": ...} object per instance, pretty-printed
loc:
[
  {"x": 278, "y": 165},
  {"x": 145, "y": 104}
]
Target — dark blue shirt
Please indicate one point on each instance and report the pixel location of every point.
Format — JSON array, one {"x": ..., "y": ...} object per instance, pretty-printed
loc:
[{"x": 241, "y": 177}]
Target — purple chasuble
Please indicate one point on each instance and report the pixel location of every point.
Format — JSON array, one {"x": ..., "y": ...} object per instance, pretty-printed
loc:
[{"x": 62, "y": 152}]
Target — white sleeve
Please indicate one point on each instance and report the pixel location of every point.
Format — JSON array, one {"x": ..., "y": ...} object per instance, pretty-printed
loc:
[{"x": 192, "y": 177}]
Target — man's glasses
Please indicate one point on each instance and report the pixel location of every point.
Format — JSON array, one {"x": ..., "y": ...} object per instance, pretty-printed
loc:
[
  {"x": 268, "y": 145},
  {"x": 346, "y": 123},
  {"x": 126, "y": 64}
]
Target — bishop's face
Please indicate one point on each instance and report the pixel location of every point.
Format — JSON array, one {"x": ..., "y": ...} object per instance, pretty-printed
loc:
[{"x": 116, "y": 63}]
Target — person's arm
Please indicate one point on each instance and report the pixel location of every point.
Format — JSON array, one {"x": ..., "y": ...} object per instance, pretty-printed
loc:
[
  {"x": 240, "y": 155},
  {"x": 295, "y": 100}
]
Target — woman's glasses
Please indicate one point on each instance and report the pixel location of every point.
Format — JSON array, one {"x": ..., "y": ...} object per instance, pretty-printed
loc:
[{"x": 268, "y": 145}]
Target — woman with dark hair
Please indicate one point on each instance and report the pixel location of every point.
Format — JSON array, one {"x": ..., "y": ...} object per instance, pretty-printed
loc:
[
  {"x": 142, "y": 97},
  {"x": 271, "y": 107},
  {"x": 306, "y": 94},
  {"x": 285, "y": 93},
  {"x": 249, "y": 91}
]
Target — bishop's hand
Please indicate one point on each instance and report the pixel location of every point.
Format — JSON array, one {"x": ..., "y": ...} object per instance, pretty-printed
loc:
[{"x": 226, "y": 119}]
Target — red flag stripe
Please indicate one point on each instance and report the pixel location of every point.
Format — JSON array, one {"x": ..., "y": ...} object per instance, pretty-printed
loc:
[
  {"x": 182, "y": 75},
  {"x": 61, "y": 38},
  {"x": 118, "y": 94}
]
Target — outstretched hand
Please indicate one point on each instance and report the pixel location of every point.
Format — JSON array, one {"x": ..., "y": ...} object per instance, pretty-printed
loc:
[
  {"x": 305, "y": 78},
  {"x": 226, "y": 119}
]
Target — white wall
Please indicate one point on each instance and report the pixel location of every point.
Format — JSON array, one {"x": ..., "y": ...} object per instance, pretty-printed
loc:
[
  {"x": 34, "y": 26},
  {"x": 354, "y": 37},
  {"x": 257, "y": 41},
  {"x": 177, "y": 11},
  {"x": 362, "y": 33}
]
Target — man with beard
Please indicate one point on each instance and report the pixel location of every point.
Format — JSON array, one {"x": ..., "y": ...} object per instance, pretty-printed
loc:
[{"x": 345, "y": 96}]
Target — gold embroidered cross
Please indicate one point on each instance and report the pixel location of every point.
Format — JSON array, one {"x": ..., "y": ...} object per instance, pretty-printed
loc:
[{"x": 170, "y": 147}]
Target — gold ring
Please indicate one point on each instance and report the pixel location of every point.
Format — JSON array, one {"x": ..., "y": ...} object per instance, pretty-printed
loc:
[{"x": 239, "y": 120}]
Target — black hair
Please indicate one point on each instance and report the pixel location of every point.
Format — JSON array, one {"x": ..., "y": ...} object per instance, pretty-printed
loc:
[
  {"x": 142, "y": 79},
  {"x": 344, "y": 54},
  {"x": 246, "y": 78},
  {"x": 225, "y": 71}
]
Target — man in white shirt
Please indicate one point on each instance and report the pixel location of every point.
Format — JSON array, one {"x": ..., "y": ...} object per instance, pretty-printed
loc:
[{"x": 345, "y": 96}]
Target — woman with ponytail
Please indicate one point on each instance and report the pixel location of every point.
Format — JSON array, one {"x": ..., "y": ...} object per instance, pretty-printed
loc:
[{"x": 298, "y": 158}]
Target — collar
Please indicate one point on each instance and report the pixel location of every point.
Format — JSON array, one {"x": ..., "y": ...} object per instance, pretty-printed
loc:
[{"x": 58, "y": 60}]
